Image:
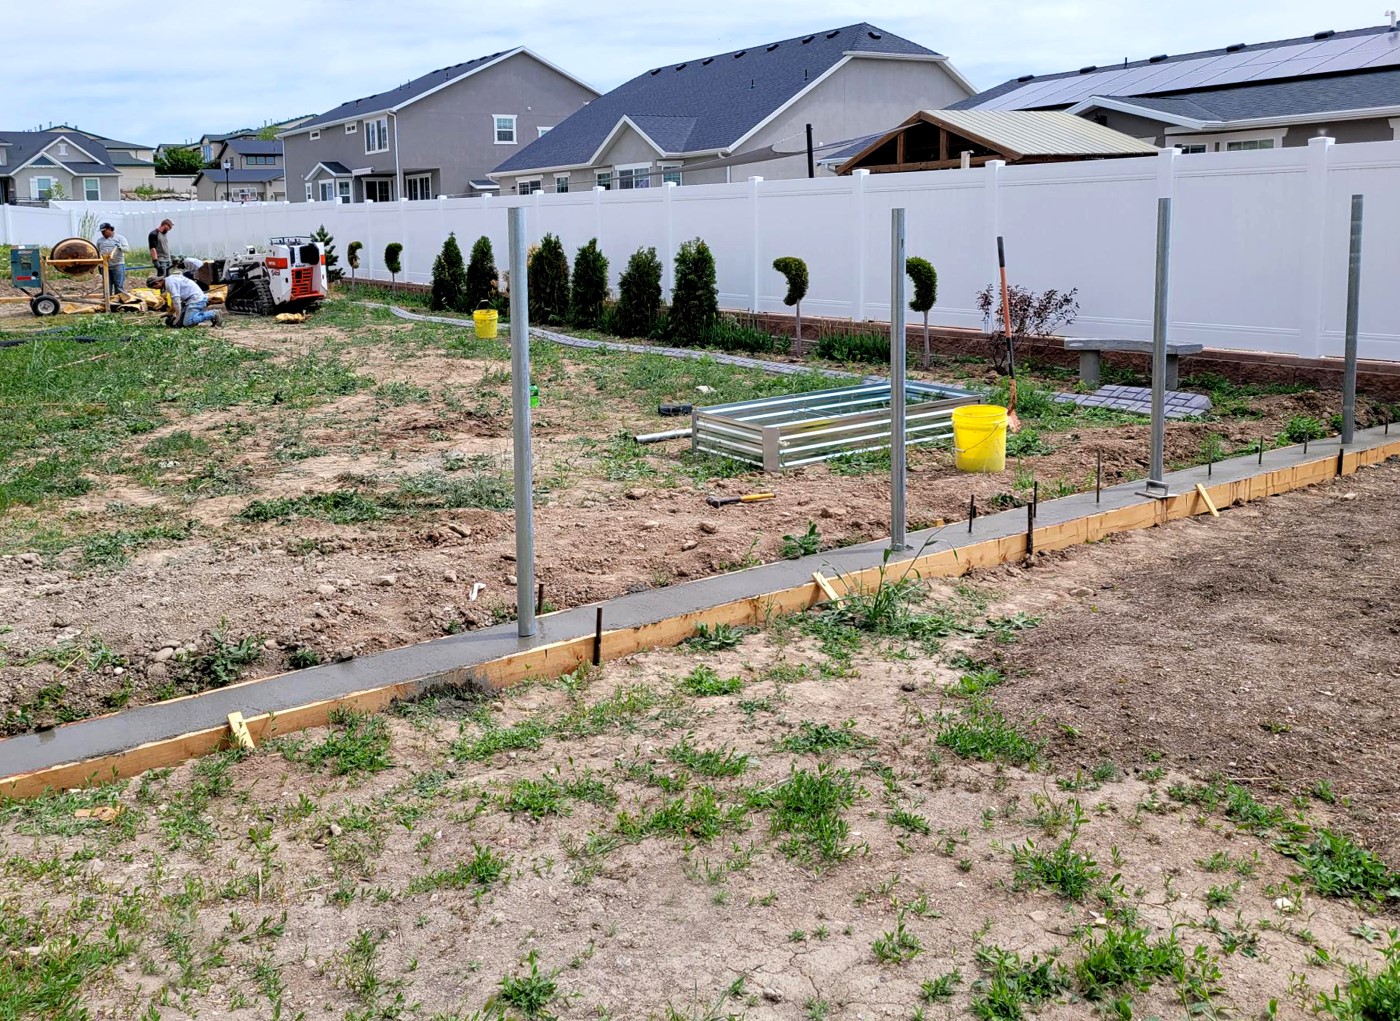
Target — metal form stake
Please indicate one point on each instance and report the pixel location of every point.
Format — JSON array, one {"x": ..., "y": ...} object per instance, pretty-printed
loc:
[
  {"x": 971, "y": 512},
  {"x": 539, "y": 599},
  {"x": 520, "y": 426},
  {"x": 598, "y": 639},
  {"x": 1353, "y": 315},
  {"x": 1098, "y": 475},
  {"x": 1156, "y": 486},
  {"x": 898, "y": 347},
  {"x": 1341, "y": 461},
  {"x": 1261, "y": 449}
]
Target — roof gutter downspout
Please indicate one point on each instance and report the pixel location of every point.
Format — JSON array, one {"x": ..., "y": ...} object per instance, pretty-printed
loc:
[{"x": 398, "y": 173}]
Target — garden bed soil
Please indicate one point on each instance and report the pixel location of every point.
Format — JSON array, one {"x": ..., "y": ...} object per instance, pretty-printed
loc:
[{"x": 240, "y": 884}]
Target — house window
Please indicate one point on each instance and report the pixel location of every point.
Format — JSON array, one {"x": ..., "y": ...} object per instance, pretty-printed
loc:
[
  {"x": 41, "y": 187},
  {"x": 670, "y": 173},
  {"x": 528, "y": 187},
  {"x": 377, "y": 135},
  {"x": 308, "y": 191},
  {"x": 379, "y": 191},
  {"x": 604, "y": 180},
  {"x": 1192, "y": 148},
  {"x": 418, "y": 187},
  {"x": 629, "y": 178},
  {"x": 343, "y": 188},
  {"x": 561, "y": 184},
  {"x": 505, "y": 128},
  {"x": 2, "y": 155},
  {"x": 1248, "y": 144},
  {"x": 92, "y": 189},
  {"x": 351, "y": 128},
  {"x": 327, "y": 191},
  {"x": 545, "y": 131},
  {"x": 315, "y": 135},
  {"x": 206, "y": 152},
  {"x": 63, "y": 148}
]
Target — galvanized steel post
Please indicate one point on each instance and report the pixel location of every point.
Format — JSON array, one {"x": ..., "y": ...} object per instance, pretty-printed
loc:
[
  {"x": 520, "y": 426},
  {"x": 1353, "y": 317},
  {"x": 898, "y": 346},
  {"x": 1156, "y": 486}
]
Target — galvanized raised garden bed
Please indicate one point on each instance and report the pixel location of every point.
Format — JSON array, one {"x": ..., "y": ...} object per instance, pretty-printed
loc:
[{"x": 776, "y": 433}]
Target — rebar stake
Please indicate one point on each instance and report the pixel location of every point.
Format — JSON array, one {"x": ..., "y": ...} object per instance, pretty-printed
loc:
[
  {"x": 1098, "y": 475},
  {"x": 539, "y": 600},
  {"x": 1305, "y": 446},
  {"x": 598, "y": 639},
  {"x": 1030, "y": 530},
  {"x": 971, "y": 512},
  {"x": 1341, "y": 460},
  {"x": 1210, "y": 458},
  {"x": 1261, "y": 450}
]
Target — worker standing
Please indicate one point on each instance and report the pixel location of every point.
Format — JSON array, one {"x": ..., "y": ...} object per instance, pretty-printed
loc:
[
  {"x": 160, "y": 247},
  {"x": 189, "y": 306},
  {"x": 114, "y": 247}
]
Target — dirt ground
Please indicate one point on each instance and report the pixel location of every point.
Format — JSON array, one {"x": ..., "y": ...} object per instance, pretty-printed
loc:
[
  {"x": 612, "y": 519},
  {"x": 626, "y": 828}
]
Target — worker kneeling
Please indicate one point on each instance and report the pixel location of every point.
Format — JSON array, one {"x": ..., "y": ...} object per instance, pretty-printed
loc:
[{"x": 189, "y": 306}]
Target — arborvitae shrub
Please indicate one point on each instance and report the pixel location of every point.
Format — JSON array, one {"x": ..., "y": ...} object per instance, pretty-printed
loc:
[
  {"x": 695, "y": 298},
  {"x": 639, "y": 295},
  {"x": 482, "y": 282},
  {"x": 549, "y": 283},
  {"x": 590, "y": 285},
  {"x": 449, "y": 278},
  {"x": 392, "y": 251}
]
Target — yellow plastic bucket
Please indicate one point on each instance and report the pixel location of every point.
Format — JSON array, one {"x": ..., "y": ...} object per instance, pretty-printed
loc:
[
  {"x": 979, "y": 438},
  {"x": 485, "y": 321}
]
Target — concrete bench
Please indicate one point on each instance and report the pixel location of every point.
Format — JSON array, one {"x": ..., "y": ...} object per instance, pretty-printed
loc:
[{"x": 1090, "y": 348}]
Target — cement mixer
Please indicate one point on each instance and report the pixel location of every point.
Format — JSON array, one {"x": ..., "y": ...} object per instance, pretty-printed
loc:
[{"x": 72, "y": 258}]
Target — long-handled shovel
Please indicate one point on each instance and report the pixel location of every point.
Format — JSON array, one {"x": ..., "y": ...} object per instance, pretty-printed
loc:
[{"x": 1012, "y": 422}]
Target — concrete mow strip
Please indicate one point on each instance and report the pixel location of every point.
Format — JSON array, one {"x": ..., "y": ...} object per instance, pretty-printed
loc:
[{"x": 426, "y": 663}]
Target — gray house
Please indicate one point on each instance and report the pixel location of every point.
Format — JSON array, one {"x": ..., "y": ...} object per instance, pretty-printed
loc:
[
  {"x": 737, "y": 114},
  {"x": 36, "y": 166},
  {"x": 256, "y": 175},
  {"x": 437, "y": 135},
  {"x": 1237, "y": 97}
]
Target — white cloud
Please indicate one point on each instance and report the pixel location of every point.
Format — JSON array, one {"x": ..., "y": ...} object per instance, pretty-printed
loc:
[{"x": 168, "y": 78}]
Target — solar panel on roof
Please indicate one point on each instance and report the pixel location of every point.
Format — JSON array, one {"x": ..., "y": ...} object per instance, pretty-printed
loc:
[{"x": 1327, "y": 55}]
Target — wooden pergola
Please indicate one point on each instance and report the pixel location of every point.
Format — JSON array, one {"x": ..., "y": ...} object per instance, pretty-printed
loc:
[{"x": 947, "y": 139}]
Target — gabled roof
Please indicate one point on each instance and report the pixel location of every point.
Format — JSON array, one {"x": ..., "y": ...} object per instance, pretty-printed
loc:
[
  {"x": 255, "y": 147},
  {"x": 26, "y": 148},
  {"x": 418, "y": 88},
  {"x": 710, "y": 103},
  {"x": 1355, "y": 51},
  {"x": 1370, "y": 90},
  {"x": 333, "y": 167},
  {"x": 249, "y": 175}
]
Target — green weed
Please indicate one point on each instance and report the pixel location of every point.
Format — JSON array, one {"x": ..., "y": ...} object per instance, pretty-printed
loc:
[
  {"x": 821, "y": 738},
  {"x": 809, "y": 807},
  {"x": 703, "y": 681},
  {"x": 1063, "y": 869},
  {"x": 714, "y": 639},
  {"x": 356, "y": 743},
  {"x": 805, "y": 545},
  {"x": 483, "y": 870},
  {"x": 1367, "y": 996},
  {"x": 982, "y": 732},
  {"x": 1123, "y": 958}
]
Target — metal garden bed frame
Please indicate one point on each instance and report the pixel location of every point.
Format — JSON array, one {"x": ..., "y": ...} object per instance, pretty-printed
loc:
[{"x": 777, "y": 433}]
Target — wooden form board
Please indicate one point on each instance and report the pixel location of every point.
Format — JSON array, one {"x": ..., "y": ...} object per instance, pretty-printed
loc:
[{"x": 564, "y": 657}]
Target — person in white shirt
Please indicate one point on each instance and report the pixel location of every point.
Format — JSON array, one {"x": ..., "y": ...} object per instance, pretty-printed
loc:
[
  {"x": 113, "y": 245},
  {"x": 189, "y": 306}
]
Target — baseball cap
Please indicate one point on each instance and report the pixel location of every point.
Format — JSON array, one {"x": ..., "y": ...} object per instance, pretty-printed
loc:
[{"x": 106, "y": 226}]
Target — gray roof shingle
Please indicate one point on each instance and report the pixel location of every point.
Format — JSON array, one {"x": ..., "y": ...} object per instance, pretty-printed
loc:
[
  {"x": 255, "y": 147},
  {"x": 244, "y": 176},
  {"x": 708, "y": 103},
  {"x": 396, "y": 97},
  {"x": 24, "y": 144}
]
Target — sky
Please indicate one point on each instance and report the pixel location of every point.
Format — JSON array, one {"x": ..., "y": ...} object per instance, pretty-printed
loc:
[{"x": 174, "y": 78}]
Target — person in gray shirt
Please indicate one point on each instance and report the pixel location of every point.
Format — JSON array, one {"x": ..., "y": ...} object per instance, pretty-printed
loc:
[
  {"x": 114, "y": 247},
  {"x": 160, "y": 247}
]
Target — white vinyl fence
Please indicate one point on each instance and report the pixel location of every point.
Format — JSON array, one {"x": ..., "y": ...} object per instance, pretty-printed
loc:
[{"x": 1258, "y": 260}]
